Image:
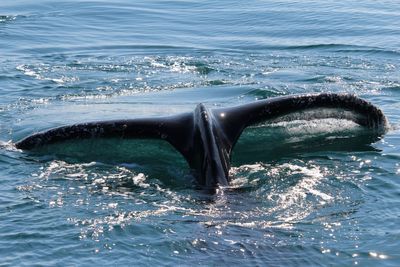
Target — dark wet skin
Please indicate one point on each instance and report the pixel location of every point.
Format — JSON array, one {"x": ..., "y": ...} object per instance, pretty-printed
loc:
[{"x": 206, "y": 137}]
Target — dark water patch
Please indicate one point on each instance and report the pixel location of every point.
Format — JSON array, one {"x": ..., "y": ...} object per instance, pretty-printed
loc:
[
  {"x": 394, "y": 88},
  {"x": 264, "y": 93},
  {"x": 202, "y": 68},
  {"x": 24, "y": 236},
  {"x": 217, "y": 82}
]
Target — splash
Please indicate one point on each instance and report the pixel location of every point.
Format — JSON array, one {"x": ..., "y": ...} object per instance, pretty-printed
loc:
[{"x": 42, "y": 72}]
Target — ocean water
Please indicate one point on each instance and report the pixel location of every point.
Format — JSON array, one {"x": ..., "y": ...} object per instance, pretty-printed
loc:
[{"x": 298, "y": 198}]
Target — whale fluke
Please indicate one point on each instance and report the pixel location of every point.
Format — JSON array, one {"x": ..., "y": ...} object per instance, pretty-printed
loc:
[{"x": 206, "y": 137}]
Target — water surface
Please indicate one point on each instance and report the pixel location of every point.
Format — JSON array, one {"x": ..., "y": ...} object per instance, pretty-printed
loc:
[{"x": 299, "y": 198}]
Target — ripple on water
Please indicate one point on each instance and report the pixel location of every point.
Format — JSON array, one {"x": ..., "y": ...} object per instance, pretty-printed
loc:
[{"x": 277, "y": 201}]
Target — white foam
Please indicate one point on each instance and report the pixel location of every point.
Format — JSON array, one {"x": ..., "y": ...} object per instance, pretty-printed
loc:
[
  {"x": 292, "y": 204},
  {"x": 36, "y": 73},
  {"x": 317, "y": 120},
  {"x": 8, "y": 145}
]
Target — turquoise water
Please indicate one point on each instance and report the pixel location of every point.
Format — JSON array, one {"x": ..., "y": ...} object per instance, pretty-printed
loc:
[{"x": 297, "y": 199}]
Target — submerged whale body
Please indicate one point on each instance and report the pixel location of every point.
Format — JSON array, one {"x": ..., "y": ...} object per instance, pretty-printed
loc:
[{"x": 206, "y": 137}]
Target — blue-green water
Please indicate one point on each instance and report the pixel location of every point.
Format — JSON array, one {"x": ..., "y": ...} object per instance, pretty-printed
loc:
[{"x": 295, "y": 202}]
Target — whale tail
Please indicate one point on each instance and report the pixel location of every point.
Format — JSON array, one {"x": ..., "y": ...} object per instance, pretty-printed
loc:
[{"x": 206, "y": 137}]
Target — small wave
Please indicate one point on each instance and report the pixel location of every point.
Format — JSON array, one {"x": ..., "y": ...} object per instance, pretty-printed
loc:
[
  {"x": 394, "y": 87},
  {"x": 319, "y": 46},
  {"x": 341, "y": 48},
  {"x": 180, "y": 64},
  {"x": 217, "y": 82},
  {"x": 36, "y": 72},
  {"x": 334, "y": 79},
  {"x": 265, "y": 93},
  {"x": 143, "y": 48},
  {"x": 173, "y": 64},
  {"x": 369, "y": 50}
]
